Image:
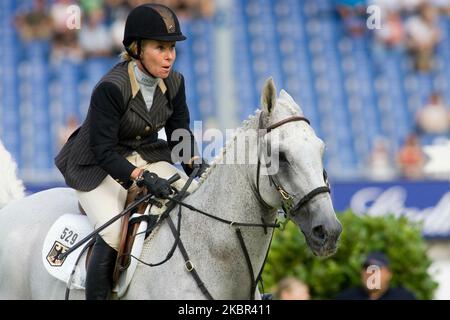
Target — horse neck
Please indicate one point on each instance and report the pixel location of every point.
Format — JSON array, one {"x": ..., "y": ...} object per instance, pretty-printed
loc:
[
  {"x": 230, "y": 185},
  {"x": 228, "y": 192}
]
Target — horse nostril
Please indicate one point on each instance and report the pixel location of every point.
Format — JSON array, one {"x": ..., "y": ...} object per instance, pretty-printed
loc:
[{"x": 319, "y": 232}]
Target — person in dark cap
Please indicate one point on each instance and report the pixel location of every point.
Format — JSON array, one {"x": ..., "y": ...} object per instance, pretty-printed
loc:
[
  {"x": 117, "y": 146},
  {"x": 375, "y": 277}
]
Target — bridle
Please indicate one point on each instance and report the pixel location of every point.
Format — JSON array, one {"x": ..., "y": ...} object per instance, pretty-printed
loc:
[{"x": 290, "y": 208}]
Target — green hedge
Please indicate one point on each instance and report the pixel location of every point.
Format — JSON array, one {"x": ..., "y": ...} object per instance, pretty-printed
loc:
[{"x": 397, "y": 237}]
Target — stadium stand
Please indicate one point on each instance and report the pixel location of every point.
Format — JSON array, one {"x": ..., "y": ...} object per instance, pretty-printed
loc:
[{"x": 352, "y": 91}]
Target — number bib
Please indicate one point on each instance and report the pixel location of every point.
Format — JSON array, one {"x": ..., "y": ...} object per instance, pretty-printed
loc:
[{"x": 64, "y": 233}]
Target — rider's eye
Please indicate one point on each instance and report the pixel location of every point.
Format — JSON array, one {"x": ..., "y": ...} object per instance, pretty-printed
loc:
[{"x": 283, "y": 158}]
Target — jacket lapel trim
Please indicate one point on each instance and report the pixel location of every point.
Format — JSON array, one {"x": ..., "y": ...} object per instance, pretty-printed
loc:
[
  {"x": 134, "y": 84},
  {"x": 162, "y": 86}
]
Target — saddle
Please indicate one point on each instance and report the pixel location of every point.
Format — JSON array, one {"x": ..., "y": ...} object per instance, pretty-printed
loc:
[{"x": 128, "y": 231}]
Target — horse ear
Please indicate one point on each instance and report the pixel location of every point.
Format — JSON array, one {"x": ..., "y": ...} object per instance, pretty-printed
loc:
[{"x": 268, "y": 96}]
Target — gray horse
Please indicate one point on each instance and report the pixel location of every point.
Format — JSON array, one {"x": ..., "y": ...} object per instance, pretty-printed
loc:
[{"x": 244, "y": 193}]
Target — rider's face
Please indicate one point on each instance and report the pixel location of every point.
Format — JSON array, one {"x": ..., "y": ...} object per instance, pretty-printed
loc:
[{"x": 158, "y": 57}]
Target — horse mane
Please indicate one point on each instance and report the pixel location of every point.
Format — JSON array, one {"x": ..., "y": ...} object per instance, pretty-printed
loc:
[
  {"x": 246, "y": 124},
  {"x": 11, "y": 187}
]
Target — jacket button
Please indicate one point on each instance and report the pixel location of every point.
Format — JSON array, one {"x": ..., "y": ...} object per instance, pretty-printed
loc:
[
  {"x": 147, "y": 128},
  {"x": 138, "y": 137}
]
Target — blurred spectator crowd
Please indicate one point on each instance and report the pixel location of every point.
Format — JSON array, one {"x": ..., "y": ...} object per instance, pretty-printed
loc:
[
  {"x": 410, "y": 25},
  {"x": 407, "y": 25},
  {"x": 101, "y": 24},
  {"x": 432, "y": 123}
]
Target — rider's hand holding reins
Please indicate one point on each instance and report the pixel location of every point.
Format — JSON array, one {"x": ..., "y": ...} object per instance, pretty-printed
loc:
[{"x": 157, "y": 186}]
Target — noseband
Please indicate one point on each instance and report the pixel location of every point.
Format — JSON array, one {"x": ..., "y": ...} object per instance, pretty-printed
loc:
[{"x": 288, "y": 204}]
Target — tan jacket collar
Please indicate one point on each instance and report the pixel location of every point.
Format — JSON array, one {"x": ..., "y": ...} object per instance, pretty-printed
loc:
[{"x": 135, "y": 85}]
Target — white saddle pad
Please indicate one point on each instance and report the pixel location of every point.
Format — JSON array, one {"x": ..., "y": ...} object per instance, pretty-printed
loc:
[{"x": 63, "y": 234}]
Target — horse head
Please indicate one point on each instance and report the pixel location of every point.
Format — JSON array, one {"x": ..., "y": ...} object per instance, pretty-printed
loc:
[{"x": 298, "y": 184}]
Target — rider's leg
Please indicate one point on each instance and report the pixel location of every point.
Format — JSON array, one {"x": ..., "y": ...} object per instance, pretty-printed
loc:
[
  {"x": 99, "y": 277},
  {"x": 102, "y": 204}
]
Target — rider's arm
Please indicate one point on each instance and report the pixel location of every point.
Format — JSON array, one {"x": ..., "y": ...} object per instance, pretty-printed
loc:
[
  {"x": 180, "y": 120},
  {"x": 105, "y": 112}
]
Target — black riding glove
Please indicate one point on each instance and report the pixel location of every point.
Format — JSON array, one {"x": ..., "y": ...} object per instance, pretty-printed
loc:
[{"x": 157, "y": 186}]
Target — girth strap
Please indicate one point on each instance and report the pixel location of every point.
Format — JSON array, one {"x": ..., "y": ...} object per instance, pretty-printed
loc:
[
  {"x": 259, "y": 277},
  {"x": 253, "y": 280},
  {"x": 187, "y": 262},
  {"x": 249, "y": 263}
]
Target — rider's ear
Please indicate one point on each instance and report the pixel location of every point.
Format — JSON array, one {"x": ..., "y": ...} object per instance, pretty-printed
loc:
[{"x": 268, "y": 96}]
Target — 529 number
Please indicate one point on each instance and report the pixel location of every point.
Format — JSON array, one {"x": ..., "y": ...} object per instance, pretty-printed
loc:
[{"x": 69, "y": 236}]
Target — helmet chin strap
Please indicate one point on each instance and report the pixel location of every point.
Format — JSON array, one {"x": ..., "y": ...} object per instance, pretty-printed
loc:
[{"x": 138, "y": 57}]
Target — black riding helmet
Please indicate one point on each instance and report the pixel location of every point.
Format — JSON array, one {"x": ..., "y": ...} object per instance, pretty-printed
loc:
[{"x": 152, "y": 22}]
